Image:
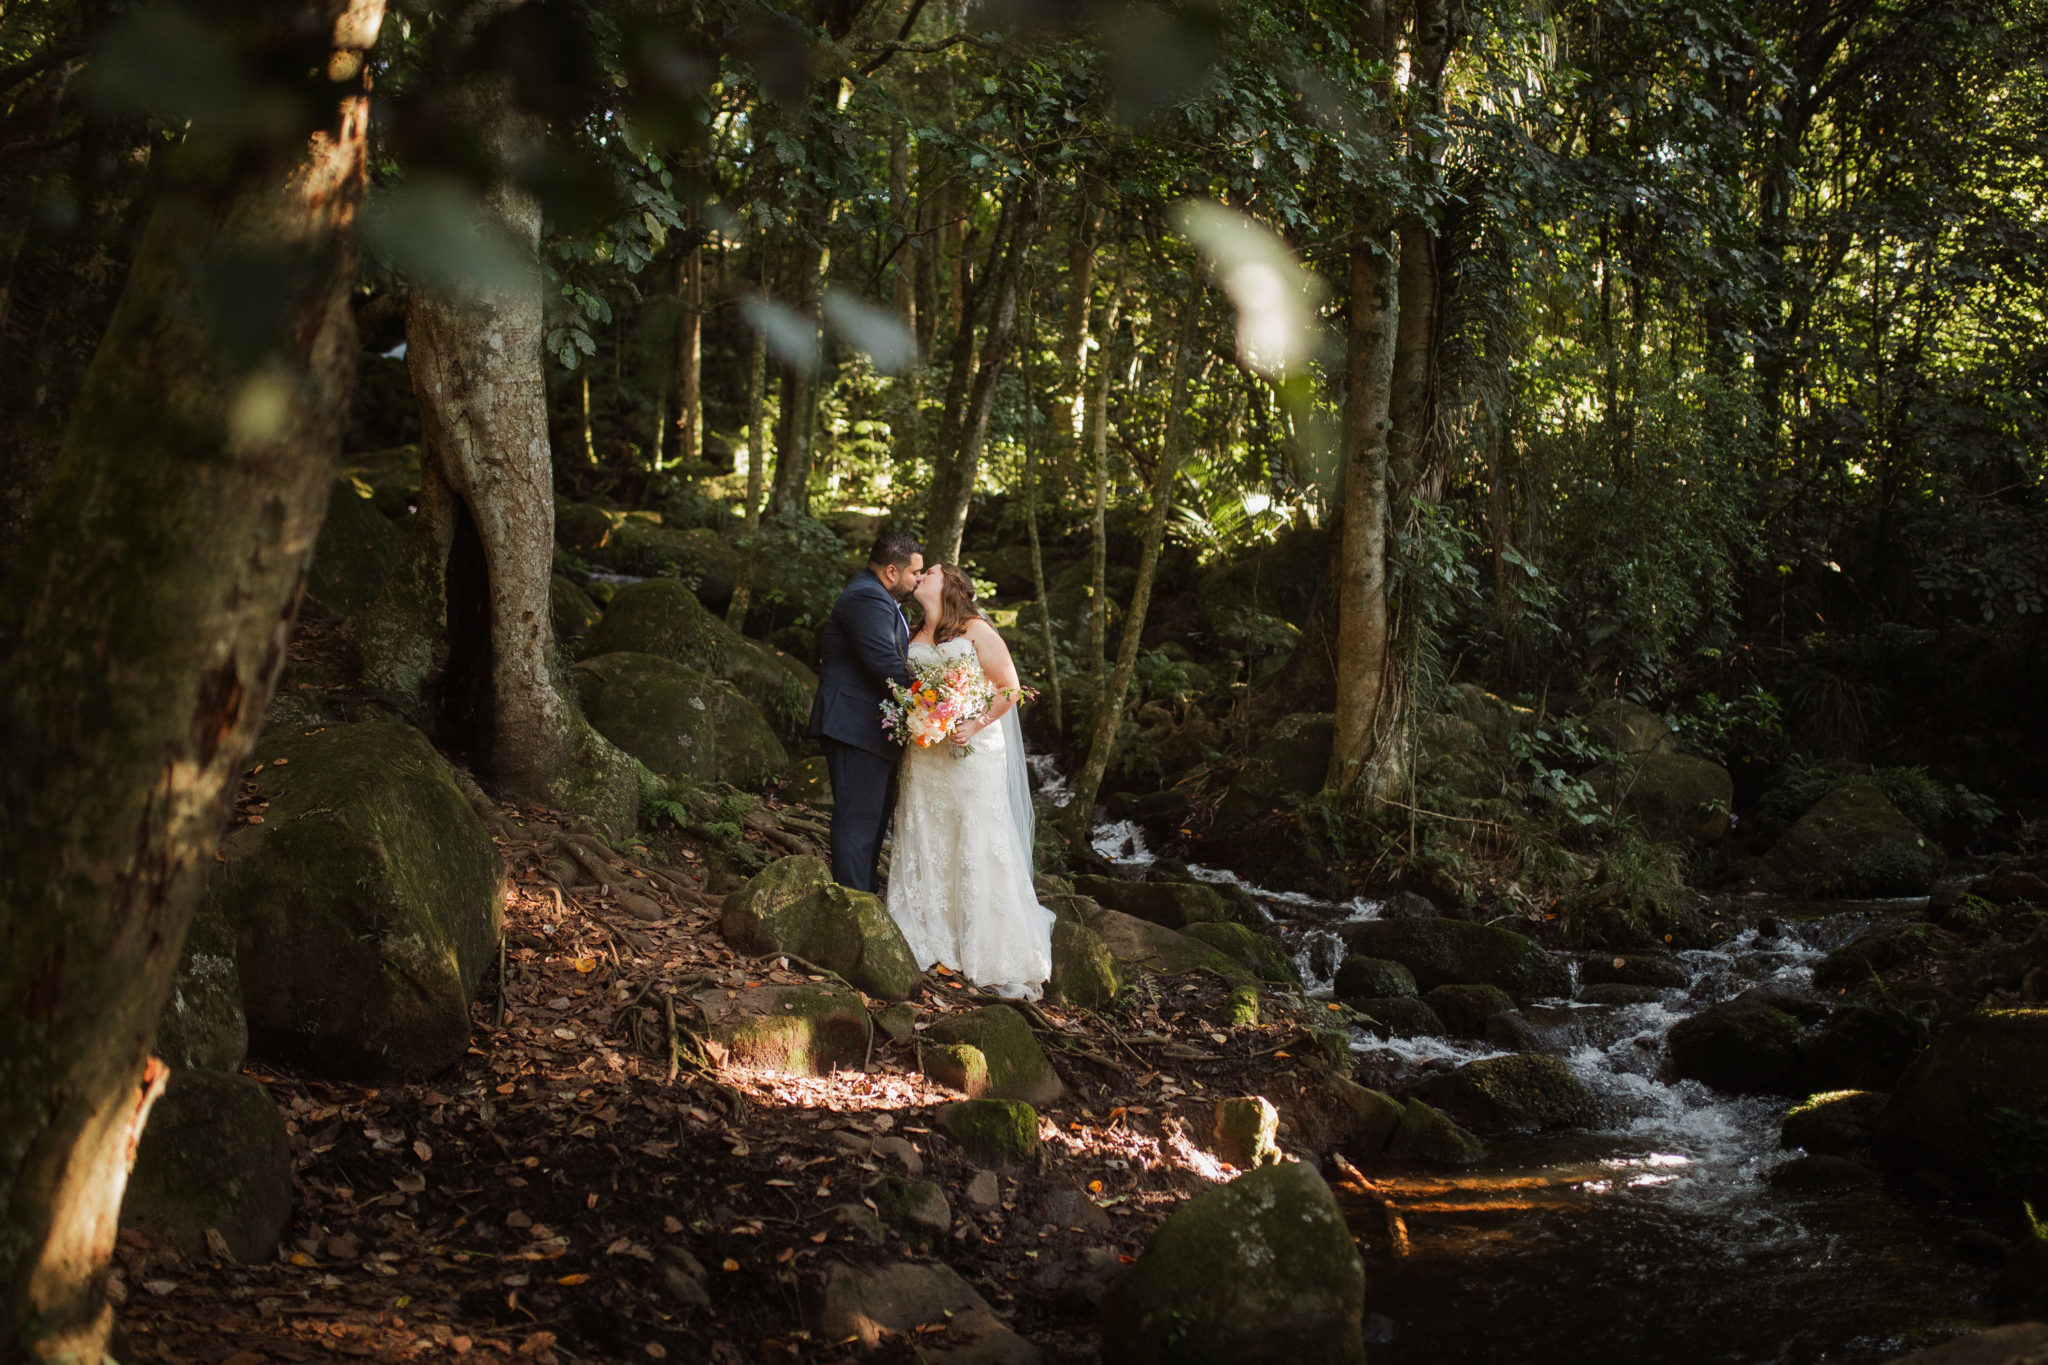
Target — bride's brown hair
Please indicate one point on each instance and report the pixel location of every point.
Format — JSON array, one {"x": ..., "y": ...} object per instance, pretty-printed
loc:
[{"x": 956, "y": 604}]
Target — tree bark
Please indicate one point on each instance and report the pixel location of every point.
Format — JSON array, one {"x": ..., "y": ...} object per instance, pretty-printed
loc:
[
  {"x": 1098, "y": 545},
  {"x": 1031, "y": 457},
  {"x": 1079, "y": 812},
  {"x": 757, "y": 456},
  {"x": 144, "y": 625},
  {"x": 791, "y": 490},
  {"x": 690, "y": 359}
]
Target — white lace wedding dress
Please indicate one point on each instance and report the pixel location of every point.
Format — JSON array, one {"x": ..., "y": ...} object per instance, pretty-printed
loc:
[{"x": 960, "y": 875}]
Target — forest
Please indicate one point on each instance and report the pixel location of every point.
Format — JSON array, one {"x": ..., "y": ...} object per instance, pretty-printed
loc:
[{"x": 1525, "y": 527}]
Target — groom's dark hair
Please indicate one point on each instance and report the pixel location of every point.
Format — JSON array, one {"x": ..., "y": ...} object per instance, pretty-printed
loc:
[{"x": 894, "y": 547}]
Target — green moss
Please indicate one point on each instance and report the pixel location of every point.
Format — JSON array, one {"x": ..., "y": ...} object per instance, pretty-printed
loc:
[
  {"x": 1017, "y": 1068},
  {"x": 994, "y": 1132},
  {"x": 1374, "y": 978},
  {"x": 1741, "y": 1045},
  {"x": 662, "y": 618},
  {"x": 1243, "y": 1007},
  {"x": 1245, "y": 1133},
  {"x": 1519, "y": 1093},
  {"x": 1427, "y": 1134},
  {"x": 1176, "y": 905},
  {"x": 916, "y": 1211},
  {"x": 1854, "y": 842},
  {"x": 214, "y": 1155},
  {"x": 1465, "y": 1009},
  {"x": 793, "y": 907},
  {"x": 1442, "y": 952},
  {"x": 1084, "y": 972},
  {"x": 806, "y": 1029},
  {"x": 1262, "y": 956},
  {"x": 678, "y": 721},
  {"x": 957, "y": 1066}
]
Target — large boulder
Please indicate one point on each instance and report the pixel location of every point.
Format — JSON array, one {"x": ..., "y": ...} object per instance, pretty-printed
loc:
[
  {"x": 1084, "y": 974},
  {"x": 1444, "y": 952},
  {"x": 679, "y": 721},
  {"x": 364, "y": 907},
  {"x": 1136, "y": 943},
  {"x": 202, "y": 1027},
  {"x": 994, "y": 1132},
  {"x": 659, "y": 617},
  {"x": 1674, "y": 797},
  {"x": 1260, "y": 1270},
  {"x": 929, "y": 1304},
  {"x": 214, "y": 1155},
  {"x": 1173, "y": 904},
  {"x": 1876, "y": 951},
  {"x": 1975, "y": 1104},
  {"x": 1854, "y": 842},
  {"x": 1398, "y": 1016},
  {"x": 1658, "y": 969},
  {"x": 1374, "y": 978},
  {"x": 1630, "y": 730},
  {"x": 1465, "y": 1009},
  {"x": 2017, "y": 1343},
  {"x": 1745, "y": 1045},
  {"x": 1451, "y": 755},
  {"x": 761, "y": 897},
  {"x": 570, "y": 610},
  {"x": 1264, "y": 957},
  {"x": 1520, "y": 1093},
  {"x": 1017, "y": 1068},
  {"x": 779, "y": 686},
  {"x": 842, "y": 930},
  {"x": 1863, "y": 1045},
  {"x": 1291, "y": 760},
  {"x": 1833, "y": 1122},
  {"x": 353, "y": 556},
  {"x": 802, "y": 1029}
]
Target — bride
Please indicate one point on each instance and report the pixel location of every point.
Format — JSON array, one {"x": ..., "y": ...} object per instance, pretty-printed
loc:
[{"x": 960, "y": 876}]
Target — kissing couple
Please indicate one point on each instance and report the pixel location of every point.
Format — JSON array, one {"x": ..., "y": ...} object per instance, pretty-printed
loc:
[{"x": 960, "y": 875}]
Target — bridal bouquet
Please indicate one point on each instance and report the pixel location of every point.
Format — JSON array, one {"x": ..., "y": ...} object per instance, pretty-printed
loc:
[{"x": 940, "y": 699}]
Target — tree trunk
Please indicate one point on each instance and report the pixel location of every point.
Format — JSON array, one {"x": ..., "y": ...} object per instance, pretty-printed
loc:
[
  {"x": 953, "y": 480},
  {"x": 1052, "y": 662},
  {"x": 757, "y": 456},
  {"x": 690, "y": 359},
  {"x": 903, "y": 265},
  {"x": 1075, "y": 819},
  {"x": 791, "y": 490},
  {"x": 1080, "y": 292},
  {"x": 144, "y": 624},
  {"x": 1098, "y": 545}
]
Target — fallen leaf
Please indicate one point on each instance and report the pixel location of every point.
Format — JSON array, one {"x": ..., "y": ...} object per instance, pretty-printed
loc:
[
  {"x": 421, "y": 1150},
  {"x": 578, "y": 1278},
  {"x": 505, "y": 1089},
  {"x": 459, "y": 1345},
  {"x": 818, "y": 1238},
  {"x": 727, "y": 1264},
  {"x": 163, "y": 1287},
  {"x": 516, "y": 1219},
  {"x": 411, "y": 1183},
  {"x": 1333, "y": 1007},
  {"x": 1095, "y": 1187},
  {"x": 785, "y": 1256},
  {"x": 656, "y": 1350},
  {"x": 585, "y": 964},
  {"x": 300, "y": 1258}
]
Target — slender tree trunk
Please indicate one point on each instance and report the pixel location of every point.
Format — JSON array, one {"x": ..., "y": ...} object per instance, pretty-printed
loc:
[
  {"x": 757, "y": 456},
  {"x": 1098, "y": 545},
  {"x": 690, "y": 359},
  {"x": 1052, "y": 662},
  {"x": 791, "y": 490},
  {"x": 1080, "y": 292},
  {"x": 142, "y": 629},
  {"x": 1108, "y": 717},
  {"x": 903, "y": 266},
  {"x": 953, "y": 482}
]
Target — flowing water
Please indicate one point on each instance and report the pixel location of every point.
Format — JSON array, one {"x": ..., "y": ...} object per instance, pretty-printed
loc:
[{"x": 1652, "y": 1236}]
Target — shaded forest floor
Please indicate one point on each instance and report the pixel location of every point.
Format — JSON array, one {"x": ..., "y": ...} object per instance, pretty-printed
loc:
[{"x": 567, "y": 1193}]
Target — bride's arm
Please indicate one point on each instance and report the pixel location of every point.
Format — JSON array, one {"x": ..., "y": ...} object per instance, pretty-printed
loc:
[{"x": 1001, "y": 670}]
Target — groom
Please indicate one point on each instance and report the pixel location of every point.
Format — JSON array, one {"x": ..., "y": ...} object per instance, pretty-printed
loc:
[{"x": 862, "y": 650}]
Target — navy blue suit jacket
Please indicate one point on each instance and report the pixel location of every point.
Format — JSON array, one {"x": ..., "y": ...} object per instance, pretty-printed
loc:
[{"x": 862, "y": 649}]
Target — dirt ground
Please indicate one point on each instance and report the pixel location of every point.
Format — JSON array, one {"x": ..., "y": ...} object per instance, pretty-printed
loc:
[{"x": 571, "y": 1193}]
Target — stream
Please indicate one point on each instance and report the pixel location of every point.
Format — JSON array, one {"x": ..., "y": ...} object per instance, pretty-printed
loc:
[{"x": 1652, "y": 1236}]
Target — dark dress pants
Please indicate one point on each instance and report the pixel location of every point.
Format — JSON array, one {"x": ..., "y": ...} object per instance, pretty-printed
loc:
[{"x": 863, "y": 800}]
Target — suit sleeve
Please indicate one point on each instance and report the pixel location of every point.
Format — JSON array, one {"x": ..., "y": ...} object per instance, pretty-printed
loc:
[{"x": 873, "y": 631}]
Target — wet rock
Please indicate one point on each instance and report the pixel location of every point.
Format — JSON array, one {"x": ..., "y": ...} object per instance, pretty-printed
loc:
[
  {"x": 1173, "y": 904},
  {"x": 1445, "y": 952},
  {"x": 1291, "y": 760},
  {"x": 1426, "y": 1133},
  {"x": 1863, "y": 1046},
  {"x": 993, "y": 1132},
  {"x": 1083, "y": 969},
  {"x": 916, "y": 1211},
  {"x": 1017, "y": 1068},
  {"x": 1801, "y": 1004},
  {"x": 1136, "y": 943},
  {"x": 202, "y": 1027},
  {"x": 1878, "y": 951},
  {"x": 680, "y": 722},
  {"x": 1409, "y": 905},
  {"x": 1618, "y": 993},
  {"x": 1398, "y": 1017},
  {"x": 364, "y": 908},
  {"x": 1465, "y": 1009},
  {"x": 1630, "y": 730},
  {"x": 1633, "y": 969},
  {"x": 2019, "y": 1343},
  {"x": 868, "y": 1303},
  {"x": 1854, "y": 842},
  {"x": 1510, "y": 1031},
  {"x": 1673, "y": 797},
  {"x": 1258, "y": 954},
  {"x": 2012, "y": 886},
  {"x": 1974, "y": 1105},
  {"x": 1067, "y": 1207},
  {"x": 843, "y": 931},
  {"x": 214, "y": 1155},
  {"x": 802, "y": 1029},
  {"x": 957, "y": 1066},
  {"x": 1244, "y": 1132},
  {"x": 1370, "y": 1118},
  {"x": 1822, "y": 1175},
  {"x": 1374, "y": 978},
  {"x": 1743, "y": 1045},
  {"x": 1260, "y": 1270},
  {"x": 1832, "y": 1123},
  {"x": 1522, "y": 1093}
]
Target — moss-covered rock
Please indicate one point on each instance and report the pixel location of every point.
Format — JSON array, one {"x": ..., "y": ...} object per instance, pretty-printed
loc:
[
  {"x": 1398, "y": 1016},
  {"x": 1426, "y": 1133},
  {"x": 1260, "y": 1270},
  {"x": 1017, "y": 1068},
  {"x": 916, "y": 1211},
  {"x": 1369, "y": 1118},
  {"x": 695, "y": 557},
  {"x": 1258, "y": 954},
  {"x": 679, "y": 721},
  {"x": 1374, "y": 978},
  {"x": 1452, "y": 755},
  {"x": 993, "y": 1132},
  {"x": 1497, "y": 720},
  {"x": 358, "y": 545},
  {"x": 213, "y": 1155},
  {"x": 844, "y": 931},
  {"x": 1744, "y": 1045},
  {"x": 580, "y": 528},
  {"x": 570, "y": 610},
  {"x": 1521, "y": 1093},
  {"x": 1879, "y": 950},
  {"x": 1630, "y": 730},
  {"x": 1083, "y": 969},
  {"x": 364, "y": 908},
  {"x": 810, "y": 782},
  {"x": 1137, "y": 943},
  {"x": 1442, "y": 952},
  {"x": 1465, "y": 1009},
  {"x": 1854, "y": 842},
  {"x": 1661, "y": 970},
  {"x": 1291, "y": 760},
  {"x": 1975, "y": 1105},
  {"x": 202, "y": 1027},
  {"x": 1618, "y": 993},
  {"x": 1674, "y": 797},
  {"x": 801, "y": 1029},
  {"x": 1832, "y": 1122},
  {"x": 659, "y": 617},
  {"x": 1173, "y": 904},
  {"x": 957, "y": 1066},
  {"x": 1245, "y": 1132},
  {"x": 1864, "y": 1045},
  {"x": 780, "y": 687},
  {"x": 1242, "y": 1009}
]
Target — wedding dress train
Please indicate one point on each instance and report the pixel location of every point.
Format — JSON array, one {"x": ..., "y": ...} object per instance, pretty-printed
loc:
[{"x": 960, "y": 875}]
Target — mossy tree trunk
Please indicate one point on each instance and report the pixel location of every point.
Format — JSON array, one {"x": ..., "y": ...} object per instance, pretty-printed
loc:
[
  {"x": 488, "y": 517},
  {"x": 144, "y": 624},
  {"x": 757, "y": 455},
  {"x": 1109, "y": 712},
  {"x": 1097, "y": 427}
]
